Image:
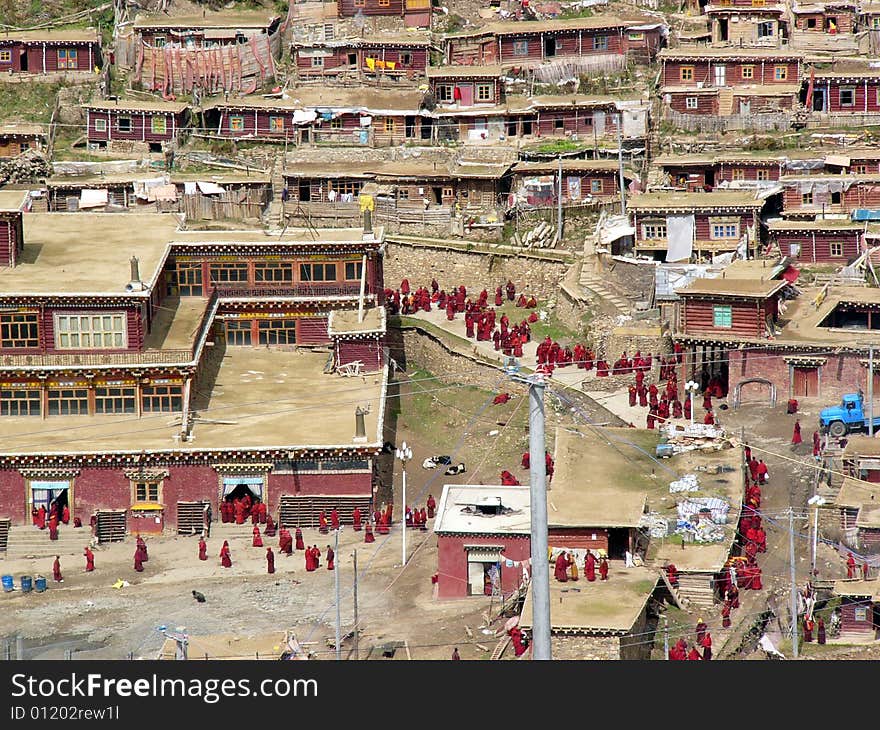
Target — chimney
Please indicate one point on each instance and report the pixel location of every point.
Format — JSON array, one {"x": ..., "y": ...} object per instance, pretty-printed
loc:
[
  {"x": 135, "y": 284},
  {"x": 360, "y": 429},
  {"x": 368, "y": 224}
]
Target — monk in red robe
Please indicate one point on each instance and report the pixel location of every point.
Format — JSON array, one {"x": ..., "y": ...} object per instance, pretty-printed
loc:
[
  {"x": 270, "y": 526},
  {"x": 258, "y": 540},
  {"x": 633, "y": 393},
  {"x": 423, "y": 520},
  {"x": 53, "y": 529},
  {"x": 508, "y": 480},
  {"x": 796, "y": 435},
  {"x": 298, "y": 534},
  {"x": 850, "y": 566},
  {"x": 270, "y": 561},
  {"x": 498, "y": 297},
  {"x": 138, "y": 560},
  {"x": 368, "y": 533},
  {"x": 383, "y": 524},
  {"x": 725, "y": 615},
  {"x": 322, "y": 523},
  {"x": 709, "y": 419},
  {"x": 255, "y": 514},
  {"x": 707, "y": 647},
  {"x": 334, "y": 519},
  {"x": 65, "y": 515},
  {"x": 603, "y": 569},
  {"x": 356, "y": 519},
  {"x": 90, "y": 559},
  {"x": 431, "y": 505},
  {"x": 143, "y": 548},
  {"x": 56, "y": 570},
  {"x": 263, "y": 511},
  {"x": 590, "y": 567},
  {"x": 672, "y": 575},
  {"x": 330, "y": 557},
  {"x": 41, "y": 517},
  {"x": 203, "y": 549},
  {"x": 225, "y": 556},
  {"x": 310, "y": 560},
  {"x": 239, "y": 512},
  {"x": 561, "y": 570},
  {"x": 316, "y": 555}
]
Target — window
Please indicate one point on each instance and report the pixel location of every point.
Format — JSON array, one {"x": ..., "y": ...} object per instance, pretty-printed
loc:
[
  {"x": 691, "y": 102},
  {"x": 403, "y": 193},
  {"x": 100, "y": 125},
  {"x": 447, "y": 193},
  {"x": 66, "y": 58},
  {"x": 159, "y": 125},
  {"x": 847, "y": 96},
  {"x": 277, "y": 331},
  {"x": 747, "y": 72},
  {"x": 445, "y": 92},
  {"x": 484, "y": 92},
  {"x": 276, "y": 124},
  {"x": 639, "y": 36},
  {"x": 766, "y": 29},
  {"x": 835, "y": 198},
  {"x": 159, "y": 41},
  {"x": 738, "y": 174},
  {"x": 317, "y": 272},
  {"x": 90, "y": 331},
  {"x": 780, "y": 73},
  {"x": 273, "y": 272},
  {"x": 188, "y": 280},
  {"x": 317, "y": 62},
  {"x": 238, "y": 332},
  {"x": 600, "y": 43},
  {"x": 336, "y": 123},
  {"x": 384, "y": 3},
  {"x": 20, "y": 402},
  {"x": 875, "y": 23},
  {"x": 811, "y": 23},
  {"x": 359, "y": 3},
  {"x": 228, "y": 273},
  {"x": 68, "y": 401},
  {"x": 595, "y": 186},
  {"x": 763, "y": 174},
  {"x": 860, "y": 169},
  {"x": 520, "y": 48},
  {"x": 406, "y": 59},
  {"x": 725, "y": 230},
  {"x": 115, "y": 400},
  {"x": 686, "y": 73},
  {"x": 345, "y": 187},
  {"x": 389, "y": 125},
  {"x": 353, "y": 270},
  {"x": 806, "y": 199},
  {"x": 652, "y": 231},
  {"x": 722, "y": 316},
  {"x": 5, "y": 56},
  {"x": 836, "y": 248},
  {"x": 19, "y": 331},
  {"x": 146, "y": 491},
  {"x": 558, "y": 124},
  {"x": 758, "y": 3},
  {"x": 162, "y": 398},
  {"x": 860, "y": 613},
  {"x": 123, "y": 124},
  {"x": 236, "y": 123}
]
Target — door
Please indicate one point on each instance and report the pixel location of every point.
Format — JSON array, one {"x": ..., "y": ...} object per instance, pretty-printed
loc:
[
  {"x": 467, "y": 94},
  {"x": 23, "y": 59},
  {"x": 745, "y": 108},
  {"x": 549, "y": 47},
  {"x": 409, "y": 127},
  {"x": 722, "y": 29},
  {"x": 475, "y": 579},
  {"x": 818, "y": 100},
  {"x": 805, "y": 382},
  {"x": 720, "y": 75}
]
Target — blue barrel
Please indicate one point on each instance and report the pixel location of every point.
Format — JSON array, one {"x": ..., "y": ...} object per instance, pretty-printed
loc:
[
  {"x": 27, "y": 584},
  {"x": 40, "y": 584},
  {"x": 8, "y": 583}
]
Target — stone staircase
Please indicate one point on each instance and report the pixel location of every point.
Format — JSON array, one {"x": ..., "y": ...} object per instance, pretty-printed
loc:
[
  {"x": 593, "y": 282},
  {"x": 26, "y": 541}
]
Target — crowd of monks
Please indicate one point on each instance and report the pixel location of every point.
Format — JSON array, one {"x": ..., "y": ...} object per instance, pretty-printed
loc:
[
  {"x": 566, "y": 569},
  {"x": 680, "y": 651},
  {"x": 50, "y": 519}
]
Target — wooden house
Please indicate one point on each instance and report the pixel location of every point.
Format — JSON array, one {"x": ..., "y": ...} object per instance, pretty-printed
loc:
[
  {"x": 734, "y": 307},
  {"x": 214, "y": 52},
  {"x": 152, "y": 123},
  {"x": 678, "y": 226},
  {"x": 845, "y": 90},
  {"x": 466, "y": 86},
  {"x": 815, "y": 195},
  {"x": 536, "y": 184},
  {"x": 392, "y": 55},
  {"x": 45, "y": 51},
  {"x": 820, "y": 241},
  {"x": 859, "y": 609},
  {"x": 729, "y": 81},
  {"x": 18, "y": 137},
  {"x": 747, "y": 22},
  {"x": 124, "y": 338},
  {"x": 836, "y": 17},
  {"x": 12, "y": 204},
  {"x": 415, "y": 13}
]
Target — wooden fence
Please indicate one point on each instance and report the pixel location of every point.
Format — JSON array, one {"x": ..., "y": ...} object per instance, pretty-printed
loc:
[
  {"x": 758, "y": 122},
  {"x": 820, "y": 119},
  {"x": 236, "y": 204}
]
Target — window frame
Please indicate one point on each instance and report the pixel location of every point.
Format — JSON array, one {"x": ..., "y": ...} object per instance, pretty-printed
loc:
[
  {"x": 64, "y": 331},
  {"x": 159, "y": 118},
  {"x": 312, "y": 268},
  {"x": 148, "y": 486},
  {"x": 100, "y": 124},
  {"x": 762, "y": 174},
  {"x": 273, "y": 327},
  {"x": 128, "y": 121},
  {"x": 228, "y": 272},
  {"x": 686, "y": 73},
  {"x": 6, "y": 55},
  {"x": 165, "y": 394},
  {"x": 724, "y": 231},
  {"x": 484, "y": 92},
  {"x": 60, "y": 399},
  {"x": 445, "y": 92},
  {"x": 239, "y": 332},
  {"x": 121, "y": 398},
  {"x": 600, "y": 42},
  {"x": 272, "y": 273},
  {"x": 806, "y": 199},
  {"x": 835, "y": 249},
  {"x": 691, "y": 102},
  {"x": 11, "y": 325},
  {"x": 236, "y": 122},
  {"x": 521, "y": 47},
  {"x": 651, "y": 231},
  {"x": 67, "y": 58},
  {"x": 722, "y": 316},
  {"x": 355, "y": 267},
  {"x": 780, "y": 73},
  {"x": 596, "y": 185},
  {"x": 317, "y": 62},
  {"x": 27, "y": 401},
  {"x": 849, "y": 90},
  {"x": 747, "y": 72},
  {"x": 276, "y": 123}
]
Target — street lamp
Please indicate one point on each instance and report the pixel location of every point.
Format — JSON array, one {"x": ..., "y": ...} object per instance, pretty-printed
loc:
[
  {"x": 404, "y": 453},
  {"x": 815, "y": 501},
  {"x": 691, "y": 388}
]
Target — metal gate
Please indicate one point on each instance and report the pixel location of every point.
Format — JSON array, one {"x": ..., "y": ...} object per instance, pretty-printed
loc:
[
  {"x": 110, "y": 525},
  {"x": 190, "y": 518},
  {"x": 304, "y": 510}
]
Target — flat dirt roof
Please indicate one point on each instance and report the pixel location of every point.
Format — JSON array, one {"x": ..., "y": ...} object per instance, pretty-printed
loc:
[
  {"x": 85, "y": 35},
  {"x": 80, "y": 253},
  {"x": 176, "y": 323},
  {"x": 694, "y": 201},
  {"x": 855, "y": 493},
  {"x": 228, "y": 646},
  {"x": 210, "y": 19},
  {"x": 752, "y": 288},
  {"x": 262, "y": 397},
  {"x": 861, "y": 446},
  {"x": 12, "y": 200},
  {"x": 345, "y": 321},
  {"x": 858, "y": 588},
  {"x": 456, "y": 498},
  {"x": 612, "y": 605},
  {"x": 137, "y": 105}
]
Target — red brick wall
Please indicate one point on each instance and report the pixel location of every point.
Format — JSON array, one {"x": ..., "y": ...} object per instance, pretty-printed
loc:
[
  {"x": 452, "y": 562},
  {"x": 764, "y": 72},
  {"x": 348, "y": 8},
  {"x": 141, "y": 126},
  {"x": 360, "y": 483},
  {"x": 369, "y": 352},
  {"x": 13, "y": 497},
  {"x": 16, "y": 50}
]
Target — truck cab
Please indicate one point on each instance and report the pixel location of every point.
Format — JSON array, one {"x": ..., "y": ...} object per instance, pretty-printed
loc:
[{"x": 845, "y": 418}]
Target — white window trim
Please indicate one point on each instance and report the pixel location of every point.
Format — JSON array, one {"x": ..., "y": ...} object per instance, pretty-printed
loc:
[
  {"x": 691, "y": 102},
  {"x": 57, "y": 319},
  {"x": 100, "y": 125}
]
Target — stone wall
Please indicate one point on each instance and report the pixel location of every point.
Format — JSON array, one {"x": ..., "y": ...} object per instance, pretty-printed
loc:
[
  {"x": 585, "y": 647},
  {"x": 475, "y": 270},
  {"x": 642, "y": 337}
]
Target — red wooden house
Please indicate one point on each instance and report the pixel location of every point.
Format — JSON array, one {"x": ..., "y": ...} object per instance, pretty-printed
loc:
[
  {"x": 747, "y": 22},
  {"x": 483, "y": 540},
  {"x": 730, "y": 307},
  {"x": 676, "y": 226},
  {"x": 835, "y": 17},
  {"x": 824, "y": 240},
  {"x": 12, "y": 204},
  {"x": 19, "y": 137},
  {"x": 813, "y": 195},
  {"x": 116, "y": 349},
  {"x": 44, "y": 51},
  {"x": 209, "y": 29},
  {"x": 729, "y": 81},
  {"x": 859, "y": 609},
  {"x": 536, "y": 184},
  {"x": 391, "y": 54},
  {"x": 465, "y": 86},
  {"x": 845, "y": 90},
  {"x": 126, "y": 120},
  {"x": 415, "y": 13}
]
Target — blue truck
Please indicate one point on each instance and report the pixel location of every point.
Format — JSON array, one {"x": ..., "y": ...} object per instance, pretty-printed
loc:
[{"x": 848, "y": 417}]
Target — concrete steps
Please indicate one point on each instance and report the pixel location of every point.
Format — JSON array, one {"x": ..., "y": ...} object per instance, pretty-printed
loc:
[
  {"x": 26, "y": 541},
  {"x": 591, "y": 282}
]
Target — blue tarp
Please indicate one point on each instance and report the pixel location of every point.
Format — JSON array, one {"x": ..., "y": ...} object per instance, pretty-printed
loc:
[{"x": 863, "y": 214}]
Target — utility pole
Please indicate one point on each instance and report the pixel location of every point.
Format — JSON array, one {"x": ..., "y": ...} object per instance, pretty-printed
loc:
[
  {"x": 356, "y": 651},
  {"x": 336, "y": 581},
  {"x": 871, "y": 390},
  {"x": 620, "y": 162},
  {"x": 538, "y": 500},
  {"x": 794, "y": 602},
  {"x": 665, "y": 636},
  {"x": 559, "y": 202}
]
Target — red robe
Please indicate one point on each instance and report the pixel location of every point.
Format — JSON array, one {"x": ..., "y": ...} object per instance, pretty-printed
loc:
[
  {"x": 225, "y": 557},
  {"x": 561, "y": 571},
  {"x": 334, "y": 519},
  {"x": 322, "y": 524},
  {"x": 590, "y": 567},
  {"x": 300, "y": 545},
  {"x": 796, "y": 436},
  {"x": 603, "y": 569},
  {"x": 53, "y": 529},
  {"x": 263, "y": 512},
  {"x": 356, "y": 519},
  {"x": 368, "y": 533},
  {"x": 270, "y": 526},
  {"x": 41, "y": 517},
  {"x": 139, "y": 560},
  {"x": 330, "y": 557},
  {"x": 56, "y": 571},
  {"x": 90, "y": 560},
  {"x": 850, "y": 566},
  {"x": 203, "y": 550},
  {"x": 258, "y": 540},
  {"x": 270, "y": 561},
  {"x": 431, "y": 505},
  {"x": 65, "y": 515}
]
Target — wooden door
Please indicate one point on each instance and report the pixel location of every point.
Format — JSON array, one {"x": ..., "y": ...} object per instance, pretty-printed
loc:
[{"x": 805, "y": 382}]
